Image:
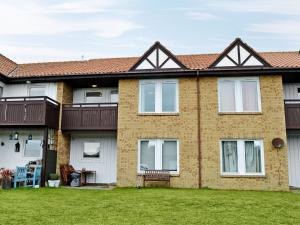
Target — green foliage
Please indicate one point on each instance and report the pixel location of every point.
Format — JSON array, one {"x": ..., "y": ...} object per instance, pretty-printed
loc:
[
  {"x": 53, "y": 176},
  {"x": 147, "y": 206}
]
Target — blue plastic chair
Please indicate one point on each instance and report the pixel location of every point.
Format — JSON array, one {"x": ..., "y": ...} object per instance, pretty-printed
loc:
[
  {"x": 36, "y": 179},
  {"x": 20, "y": 176}
]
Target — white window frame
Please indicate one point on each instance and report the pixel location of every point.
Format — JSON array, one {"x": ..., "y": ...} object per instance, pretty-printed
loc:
[
  {"x": 239, "y": 93},
  {"x": 82, "y": 150},
  {"x": 37, "y": 86},
  {"x": 88, "y": 91},
  {"x": 158, "y": 95},
  {"x": 158, "y": 154},
  {"x": 33, "y": 157},
  {"x": 241, "y": 158}
]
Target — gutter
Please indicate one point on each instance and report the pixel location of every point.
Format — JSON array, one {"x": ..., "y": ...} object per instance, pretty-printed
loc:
[
  {"x": 159, "y": 74},
  {"x": 198, "y": 132}
]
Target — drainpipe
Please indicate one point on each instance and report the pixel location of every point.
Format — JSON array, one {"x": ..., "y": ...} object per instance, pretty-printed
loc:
[{"x": 199, "y": 135}]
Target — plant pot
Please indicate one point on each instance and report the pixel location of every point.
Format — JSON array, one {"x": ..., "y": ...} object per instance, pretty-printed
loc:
[
  {"x": 53, "y": 183},
  {"x": 6, "y": 184}
]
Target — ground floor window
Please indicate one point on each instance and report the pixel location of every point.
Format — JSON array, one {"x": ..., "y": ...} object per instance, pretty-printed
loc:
[
  {"x": 242, "y": 157},
  {"x": 158, "y": 154}
]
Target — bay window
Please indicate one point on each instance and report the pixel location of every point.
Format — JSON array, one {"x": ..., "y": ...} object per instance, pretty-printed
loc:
[
  {"x": 239, "y": 95},
  {"x": 242, "y": 157},
  {"x": 158, "y": 96},
  {"x": 158, "y": 154}
]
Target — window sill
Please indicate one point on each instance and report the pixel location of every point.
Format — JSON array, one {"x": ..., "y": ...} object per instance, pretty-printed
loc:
[
  {"x": 240, "y": 113},
  {"x": 174, "y": 174},
  {"x": 158, "y": 114},
  {"x": 242, "y": 176}
]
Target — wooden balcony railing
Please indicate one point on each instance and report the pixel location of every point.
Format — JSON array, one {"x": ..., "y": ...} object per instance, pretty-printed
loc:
[
  {"x": 292, "y": 114},
  {"x": 90, "y": 116},
  {"x": 29, "y": 111}
]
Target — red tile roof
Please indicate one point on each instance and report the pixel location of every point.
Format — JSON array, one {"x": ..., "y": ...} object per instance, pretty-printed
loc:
[
  {"x": 119, "y": 65},
  {"x": 6, "y": 65}
]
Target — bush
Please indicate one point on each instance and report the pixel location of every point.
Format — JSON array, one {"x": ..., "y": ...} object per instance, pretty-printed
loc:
[{"x": 53, "y": 176}]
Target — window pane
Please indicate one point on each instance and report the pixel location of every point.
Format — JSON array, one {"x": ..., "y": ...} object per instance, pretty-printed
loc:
[
  {"x": 229, "y": 156},
  {"x": 33, "y": 148},
  {"x": 91, "y": 150},
  {"x": 114, "y": 96},
  {"x": 93, "y": 97},
  {"x": 37, "y": 91},
  {"x": 253, "y": 156},
  {"x": 169, "y": 97},
  {"x": 148, "y": 97},
  {"x": 250, "y": 101},
  {"x": 147, "y": 155},
  {"x": 169, "y": 155},
  {"x": 227, "y": 96}
]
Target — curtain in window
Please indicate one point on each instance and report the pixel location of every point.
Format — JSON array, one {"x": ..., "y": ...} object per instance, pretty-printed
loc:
[
  {"x": 148, "y": 97},
  {"x": 169, "y": 155},
  {"x": 252, "y": 157},
  {"x": 230, "y": 156},
  {"x": 249, "y": 91},
  {"x": 147, "y": 155},
  {"x": 227, "y": 96},
  {"x": 168, "y": 97}
]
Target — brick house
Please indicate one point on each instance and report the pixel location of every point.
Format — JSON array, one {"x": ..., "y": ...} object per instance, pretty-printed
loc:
[{"x": 209, "y": 119}]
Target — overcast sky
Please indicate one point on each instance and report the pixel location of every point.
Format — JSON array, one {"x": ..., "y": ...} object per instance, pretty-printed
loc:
[{"x": 57, "y": 30}]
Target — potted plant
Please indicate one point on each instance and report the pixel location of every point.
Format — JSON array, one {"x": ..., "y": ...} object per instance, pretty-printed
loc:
[
  {"x": 53, "y": 180},
  {"x": 5, "y": 175}
]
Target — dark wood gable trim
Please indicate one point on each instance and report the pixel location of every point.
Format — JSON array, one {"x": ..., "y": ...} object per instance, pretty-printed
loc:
[
  {"x": 157, "y": 46},
  {"x": 239, "y": 42}
]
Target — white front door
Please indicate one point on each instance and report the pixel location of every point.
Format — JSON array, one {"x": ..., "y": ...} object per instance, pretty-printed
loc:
[
  {"x": 95, "y": 153},
  {"x": 294, "y": 160}
]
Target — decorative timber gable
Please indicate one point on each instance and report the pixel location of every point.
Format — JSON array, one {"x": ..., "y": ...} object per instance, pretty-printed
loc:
[
  {"x": 239, "y": 54},
  {"x": 157, "y": 57}
]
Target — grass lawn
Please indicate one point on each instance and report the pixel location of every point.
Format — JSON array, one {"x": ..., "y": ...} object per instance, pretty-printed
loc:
[{"x": 147, "y": 206}]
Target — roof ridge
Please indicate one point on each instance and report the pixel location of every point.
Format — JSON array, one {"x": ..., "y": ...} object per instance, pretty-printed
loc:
[{"x": 131, "y": 57}]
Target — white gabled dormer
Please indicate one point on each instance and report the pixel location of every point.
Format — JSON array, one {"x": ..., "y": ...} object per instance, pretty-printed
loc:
[
  {"x": 239, "y": 54},
  {"x": 157, "y": 58}
]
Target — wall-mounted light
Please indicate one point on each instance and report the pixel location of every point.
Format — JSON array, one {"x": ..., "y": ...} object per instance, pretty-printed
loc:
[
  {"x": 16, "y": 136},
  {"x": 11, "y": 136},
  {"x": 28, "y": 82},
  {"x": 30, "y": 137},
  {"x": 94, "y": 85}
]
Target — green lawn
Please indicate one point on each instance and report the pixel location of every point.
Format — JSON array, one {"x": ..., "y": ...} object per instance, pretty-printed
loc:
[{"x": 147, "y": 206}]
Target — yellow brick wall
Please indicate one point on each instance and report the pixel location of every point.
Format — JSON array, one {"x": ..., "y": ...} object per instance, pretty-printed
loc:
[
  {"x": 266, "y": 126},
  {"x": 214, "y": 127},
  {"x": 132, "y": 127},
  {"x": 64, "y": 95}
]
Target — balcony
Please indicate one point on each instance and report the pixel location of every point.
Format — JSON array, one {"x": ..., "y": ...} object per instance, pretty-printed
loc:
[
  {"x": 90, "y": 117},
  {"x": 292, "y": 114},
  {"x": 29, "y": 111}
]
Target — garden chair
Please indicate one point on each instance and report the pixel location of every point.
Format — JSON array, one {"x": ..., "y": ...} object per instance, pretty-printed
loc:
[
  {"x": 36, "y": 178},
  {"x": 20, "y": 176}
]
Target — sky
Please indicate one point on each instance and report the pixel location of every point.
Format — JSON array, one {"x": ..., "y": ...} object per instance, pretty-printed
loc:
[{"x": 60, "y": 30}]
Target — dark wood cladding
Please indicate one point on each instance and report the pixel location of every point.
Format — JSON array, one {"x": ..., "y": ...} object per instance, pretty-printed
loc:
[
  {"x": 292, "y": 114},
  {"x": 90, "y": 116},
  {"x": 29, "y": 111}
]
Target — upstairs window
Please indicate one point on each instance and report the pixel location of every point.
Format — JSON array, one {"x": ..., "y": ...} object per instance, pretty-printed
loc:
[
  {"x": 37, "y": 91},
  {"x": 158, "y": 96},
  {"x": 93, "y": 97},
  {"x": 239, "y": 95}
]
